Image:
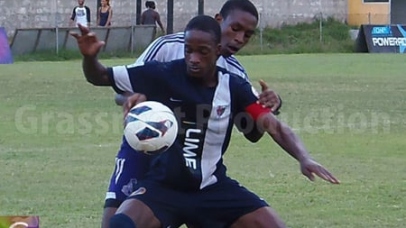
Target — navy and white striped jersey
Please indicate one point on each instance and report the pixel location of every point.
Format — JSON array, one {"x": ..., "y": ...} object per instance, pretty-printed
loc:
[
  {"x": 205, "y": 118},
  {"x": 171, "y": 47}
]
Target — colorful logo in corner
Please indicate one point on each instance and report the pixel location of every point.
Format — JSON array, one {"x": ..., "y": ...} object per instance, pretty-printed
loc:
[
  {"x": 389, "y": 36},
  {"x": 5, "y": 52},
  {"x": 381, "y": 31},
  {"x": 19, "y": 222}
]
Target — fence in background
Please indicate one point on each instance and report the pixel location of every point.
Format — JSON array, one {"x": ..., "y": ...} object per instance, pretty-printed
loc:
[
  {"x": 52, "y": 24},
  {"x": 58, "y": 19},
  {"x": 116, "y": 38}
]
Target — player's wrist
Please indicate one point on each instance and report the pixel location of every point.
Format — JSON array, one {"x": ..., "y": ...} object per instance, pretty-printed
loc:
[
  {"x": 304, "y": 158},
  {"x": 276, "y": 110}
]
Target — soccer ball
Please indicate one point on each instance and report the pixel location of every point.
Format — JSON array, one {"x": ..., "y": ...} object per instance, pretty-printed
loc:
[{"x": 150, "y": 127}]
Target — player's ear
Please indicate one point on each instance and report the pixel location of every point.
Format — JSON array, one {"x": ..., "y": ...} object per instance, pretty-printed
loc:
[{"x": 218, "y": 18}]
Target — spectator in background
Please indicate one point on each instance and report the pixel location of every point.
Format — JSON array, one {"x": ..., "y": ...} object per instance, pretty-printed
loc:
[
  {"x": 104, "y": 14},
  {"x": 80, "y": 15},
  {"x": 150, "y": 16}
]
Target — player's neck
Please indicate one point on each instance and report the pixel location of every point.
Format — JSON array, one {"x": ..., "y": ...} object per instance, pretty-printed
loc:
[{"x": 211, "y": 79}]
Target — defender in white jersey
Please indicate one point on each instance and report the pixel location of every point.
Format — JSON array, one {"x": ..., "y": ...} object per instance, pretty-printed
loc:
[
  {"x": 238, "y": 20},
  {"x": 188, "y": 183}
]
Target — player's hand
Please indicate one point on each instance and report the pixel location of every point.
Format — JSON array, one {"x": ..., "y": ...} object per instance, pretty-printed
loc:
[
  {"x": 268, "y": 97},
  {"x": 310, "y": 168},
  {"x": 88, "y": 43},
  {"x": 132, "y": 101}
]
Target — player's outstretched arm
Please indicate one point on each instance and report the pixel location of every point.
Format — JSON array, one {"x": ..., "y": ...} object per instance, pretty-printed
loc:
[
  {"x": 89, "y": 46},
  {"x": 290, "y": 142}
]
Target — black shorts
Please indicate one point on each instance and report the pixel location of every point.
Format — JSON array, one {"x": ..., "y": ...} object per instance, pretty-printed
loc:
[{"x": 218, "y": 205}]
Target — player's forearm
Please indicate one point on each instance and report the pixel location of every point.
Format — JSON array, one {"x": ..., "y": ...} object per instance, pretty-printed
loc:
[
  {"x": 95, "y": 72},
  {"x": 285, "y": 138},
  {"x": 255, "y": 134}
]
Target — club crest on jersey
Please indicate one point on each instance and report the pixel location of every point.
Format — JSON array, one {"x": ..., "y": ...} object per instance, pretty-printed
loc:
[{"x": 220, "y": 110}]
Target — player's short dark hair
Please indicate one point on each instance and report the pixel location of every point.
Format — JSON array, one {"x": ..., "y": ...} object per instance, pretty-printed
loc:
[
  {"x": 150, "y": 4},
  {"x": 206, "y": 24},
  {"x": 243, "y": 5}
]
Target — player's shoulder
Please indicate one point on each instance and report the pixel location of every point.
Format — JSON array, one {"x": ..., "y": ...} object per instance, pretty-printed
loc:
[
  {"x": 172, "y": 38},
  {"x": 170, "y": 41},
  {"x": 178, "y": 65},
  {"x": 164, "y": 49},
  {"x": 231, "y": 64},
  {"x": 171, "y": 66},
  {"x": 234, "y": 78},
  {"x": 232, "y": 61}
]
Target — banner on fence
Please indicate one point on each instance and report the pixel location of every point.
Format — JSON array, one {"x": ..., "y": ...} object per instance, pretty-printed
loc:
[
  {"x": 5, "y": 52},
  {"x": 381, "y": 39}
]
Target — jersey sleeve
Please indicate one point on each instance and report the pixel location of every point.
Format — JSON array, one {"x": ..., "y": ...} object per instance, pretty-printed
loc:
[
  {"x": 88, "y": 14},
  {"x": 134, "y": 79},
  {"x": 73, "y": 14},
  {"x": 247, "y": 100}
]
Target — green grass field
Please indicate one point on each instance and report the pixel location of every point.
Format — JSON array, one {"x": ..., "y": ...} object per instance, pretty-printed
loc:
[{"x": 59, "y": 136}]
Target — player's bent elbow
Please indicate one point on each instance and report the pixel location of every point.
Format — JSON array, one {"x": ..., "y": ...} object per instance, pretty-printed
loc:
[
  {"x": 97, "y": 81},
  {"x": 92, "y": 80}
]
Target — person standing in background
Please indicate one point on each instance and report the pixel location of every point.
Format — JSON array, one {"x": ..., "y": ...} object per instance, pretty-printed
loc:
[
  {"x": 104, "y": 14},
  {"x": 150, "y": 16},
  {"x": 80, "y": 15}
]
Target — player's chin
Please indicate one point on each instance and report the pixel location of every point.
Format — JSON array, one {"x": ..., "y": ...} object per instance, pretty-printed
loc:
[{"x": 196, "y": 73}]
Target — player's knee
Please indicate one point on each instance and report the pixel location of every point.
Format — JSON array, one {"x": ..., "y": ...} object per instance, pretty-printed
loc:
[
  {"x": 263, "y": 217},
  {"x": 121, "y": 221},
  {"x": 107, "y": 214}
]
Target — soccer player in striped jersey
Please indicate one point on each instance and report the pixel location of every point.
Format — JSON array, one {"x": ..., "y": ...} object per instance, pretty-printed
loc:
[
  {"x": 238, "y": 20},
  {"x": 188, "y": 182},
  {"x": 237, "y": 25}
]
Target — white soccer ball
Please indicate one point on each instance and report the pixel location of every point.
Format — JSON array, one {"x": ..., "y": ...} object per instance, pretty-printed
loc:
[{"x": 151, "y": 127}]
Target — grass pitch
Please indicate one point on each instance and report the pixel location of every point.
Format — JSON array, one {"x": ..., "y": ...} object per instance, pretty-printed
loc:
[{"x": 59, "y": 136}]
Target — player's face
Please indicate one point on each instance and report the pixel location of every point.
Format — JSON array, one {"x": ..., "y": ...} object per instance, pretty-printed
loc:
[
  {"x": 81, "y": 2},
  {"x": 201, "y": 53},
  {"x": 237, "y": 29}
]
